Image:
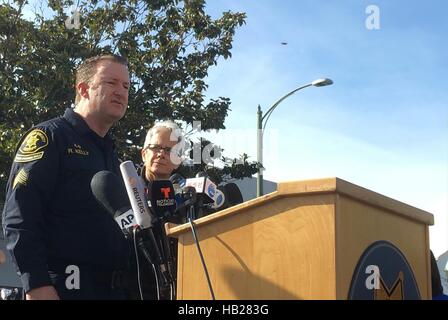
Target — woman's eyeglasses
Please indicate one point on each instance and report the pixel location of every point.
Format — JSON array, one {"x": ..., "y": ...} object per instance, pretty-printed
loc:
[{"x": 158, "y": 148}]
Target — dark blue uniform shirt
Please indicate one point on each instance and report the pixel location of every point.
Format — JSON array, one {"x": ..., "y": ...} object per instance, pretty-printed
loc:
[{"x": 51, "y": 218}]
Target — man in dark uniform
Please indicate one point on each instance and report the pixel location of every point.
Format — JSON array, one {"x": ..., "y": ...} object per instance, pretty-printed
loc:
[{"x": 63, "y": 243}]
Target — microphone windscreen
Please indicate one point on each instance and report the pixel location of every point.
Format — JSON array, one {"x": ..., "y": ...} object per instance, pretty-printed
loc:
[
  {"x": 109, "y": 190},
  {"x": 233, "y": 194}
]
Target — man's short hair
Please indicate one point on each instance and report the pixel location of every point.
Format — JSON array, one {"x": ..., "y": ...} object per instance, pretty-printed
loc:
[{"x": 86, "y": 70}]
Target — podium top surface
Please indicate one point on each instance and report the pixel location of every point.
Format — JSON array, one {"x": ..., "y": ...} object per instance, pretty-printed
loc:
[{"x": 316, "y": 186}]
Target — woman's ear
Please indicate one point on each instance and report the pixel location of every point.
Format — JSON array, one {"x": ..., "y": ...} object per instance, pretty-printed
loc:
[{"x": 143, "y": 152}]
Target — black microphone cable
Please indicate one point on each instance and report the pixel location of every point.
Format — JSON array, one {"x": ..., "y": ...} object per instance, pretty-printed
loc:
[
  {"x": 138, "y": 269},
  {"x": 165, "y": 244},
  {"x": 138, "y": 264},
  {"x": 166, "y": 255},
  {"x": 157, "y": 281},
  {"x": 193, "y": 230}
]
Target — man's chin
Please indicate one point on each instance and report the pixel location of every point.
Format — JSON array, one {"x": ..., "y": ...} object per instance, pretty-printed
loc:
[
  {"x": 117, "y": 110},
  {"x": 116, "y": 116}
]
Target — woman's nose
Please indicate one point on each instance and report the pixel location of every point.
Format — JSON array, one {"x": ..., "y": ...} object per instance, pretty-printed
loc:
[{"x": 160, "y": 154}]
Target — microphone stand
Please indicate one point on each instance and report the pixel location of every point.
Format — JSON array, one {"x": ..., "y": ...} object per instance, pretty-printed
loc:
[
  {"x": 147, "y": 240},
  {"x": 190, "y": 217},
  {"x": 166, "y": 252}
]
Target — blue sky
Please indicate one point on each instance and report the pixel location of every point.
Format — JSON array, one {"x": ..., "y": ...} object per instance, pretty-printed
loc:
[{"x": 382, "y": 125}]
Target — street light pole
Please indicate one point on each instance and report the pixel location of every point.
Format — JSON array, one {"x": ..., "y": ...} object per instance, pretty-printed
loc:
[
  {"x": 265, "y": 117},
  {"x": 259, "y": 151}
]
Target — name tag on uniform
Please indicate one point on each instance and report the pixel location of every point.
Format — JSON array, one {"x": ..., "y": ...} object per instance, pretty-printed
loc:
[{"x": 77, "y": 149}]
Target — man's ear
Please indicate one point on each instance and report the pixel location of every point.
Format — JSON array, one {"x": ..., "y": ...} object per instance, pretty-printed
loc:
[{"x": 83, "y": 89}]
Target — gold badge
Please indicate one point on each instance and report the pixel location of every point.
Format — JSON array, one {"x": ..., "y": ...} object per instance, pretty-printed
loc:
[{"x": 31, "y": 147}]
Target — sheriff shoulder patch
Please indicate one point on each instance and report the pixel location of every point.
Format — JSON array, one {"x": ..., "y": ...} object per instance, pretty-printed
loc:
[{"x": 32, "y": 146}]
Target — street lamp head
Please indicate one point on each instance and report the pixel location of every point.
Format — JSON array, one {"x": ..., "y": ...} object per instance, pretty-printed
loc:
[
  {"x": 264, "y": 118},
  {"x": 322, "y": 82}
]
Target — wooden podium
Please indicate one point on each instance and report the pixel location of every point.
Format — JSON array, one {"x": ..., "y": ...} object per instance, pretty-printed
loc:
[{"x": 307, "y": 240}]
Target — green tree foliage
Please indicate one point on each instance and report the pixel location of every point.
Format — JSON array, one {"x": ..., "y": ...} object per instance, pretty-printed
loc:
[{"x": 170, "y": 46}]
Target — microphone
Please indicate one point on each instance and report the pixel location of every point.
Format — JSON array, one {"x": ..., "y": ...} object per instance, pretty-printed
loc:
[
  {"x": 220, "y": 199},
  {"x": 163, "y": 201},
  {"x": 233, "y": 194},
  {"x": 143, "y": 217},
  {"x": 204, "y": 186},
  {"x": 108, "y": 189},
  {"x": 178, "y": 183},
  {"x": 210, "y": 198},
  {"x": 163, "y": 204},
  {"x": 186, "y": 199},
  {"x": 135, "y": 190},
  {"x": 110, "y": 192},
  {"x": 177, "y": 179},
  {"x": 227, "y": 196}
]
